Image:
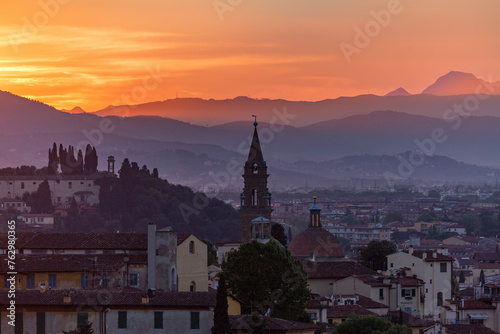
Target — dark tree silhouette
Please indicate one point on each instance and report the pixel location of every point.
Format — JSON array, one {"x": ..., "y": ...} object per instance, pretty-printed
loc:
[
  {"x": 42, "y": 199},
  {"x": 221, "y": 317},
  {"x": 278, "y": 233}
]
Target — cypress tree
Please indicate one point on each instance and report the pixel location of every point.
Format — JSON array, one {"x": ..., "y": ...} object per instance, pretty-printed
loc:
[
  {"x": 155, "y": 173},
  {"x": 88, "y": 159},
  {"x": 94, "y": 160},
  {"x": 221, "y": 317},
  {"x": 79, "y": 164}
]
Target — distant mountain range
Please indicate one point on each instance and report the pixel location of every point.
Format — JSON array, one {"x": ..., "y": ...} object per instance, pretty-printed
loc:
[
  {"x": 323, "y": 143},
  {"x": 447, "y": 91}
]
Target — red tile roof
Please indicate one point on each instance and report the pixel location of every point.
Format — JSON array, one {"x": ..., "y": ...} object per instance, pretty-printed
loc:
[
  {"x": 244, "y": 322},
  {"x": 112, "y": 297},
  {"x": 58, "y": 240},
  {"x": 408, "y": 281},
  {"x": 475, "y": 305},
  {"x": 335, "y": 270},
  {"x": 317, "y": 240},
  {"x": 365, "y": 302},
  {"x": 428, "y": 256},
  {"x": 343, "y": 311},
  {"x": 409, "y": 319},
  {"x": 467, "y": 329},
  {"x": 181, "y": 237},
  {"x": 70, "y": 262}
]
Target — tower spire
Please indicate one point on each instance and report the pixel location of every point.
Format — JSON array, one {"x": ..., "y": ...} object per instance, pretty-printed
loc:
[
  {"x": 315, "y": 211},
  {"x": 255, "y": 198},
  {"x": 255, "y": 155}
]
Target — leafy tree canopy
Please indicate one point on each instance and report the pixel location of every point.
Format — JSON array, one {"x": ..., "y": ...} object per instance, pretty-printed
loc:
[
  {"x": 374, "y": 255},
  {"x": 393, "y": 216},
  {"x": 370, "y": 325},
  {"x": 266, "y": 277}
]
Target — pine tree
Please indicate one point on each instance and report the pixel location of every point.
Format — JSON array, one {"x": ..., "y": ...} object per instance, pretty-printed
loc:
[{"x": 221, "y": 317}]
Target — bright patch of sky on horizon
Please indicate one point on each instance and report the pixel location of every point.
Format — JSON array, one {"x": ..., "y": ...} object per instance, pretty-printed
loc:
[{"x": 69, "y": 53}]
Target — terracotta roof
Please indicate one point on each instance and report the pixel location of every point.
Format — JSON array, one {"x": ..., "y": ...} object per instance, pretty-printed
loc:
[
  {"x": 475, "y": 305},
  {"x": 111, "y": 297},
  {"x": 408, "y": 281},
  {"x": 343, "y": 311},
  {"x": 317, "y": 240},
  {"x": 69, "y": 262},
  {"x": 369, "y": 303},
  {"x": 409, "y": 319},
  {"x": 467, "y": 329},
  {"x": 245, "y": 322},
  {"x": 58, "y": 240},
  {"x": 335, "y": 270},
  {"x": 181, "y": 237},
  {"x": 487, "y": 257},
  {"x": 428, "y": 256},
  {"x": 365, "y": 302}
]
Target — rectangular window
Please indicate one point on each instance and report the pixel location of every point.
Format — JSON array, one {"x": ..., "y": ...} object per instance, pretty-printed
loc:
[
  {"x": 133, "y": 280},
  {"x": 195, "y": 320},
  {"x": 30, "y": 281},
  {"x": 82, "y": 318},
  {"x": 22, "y": 185},
  {"x": 381, "y": 293},
  {"x": 122, "y": 319},
  {"x": 443, "y": 267},
  {"x": 70, "y": 185},
  {"x": 19, "y": 328},
  {"x": 84, "y": 281},
  {"x": 52, "y": 281},
  {"x": 40, "y": 322},
  {"x": 407, "y": 292},
  {"x": 158, "y": 320},
  {"x": 124, "y": 279}
]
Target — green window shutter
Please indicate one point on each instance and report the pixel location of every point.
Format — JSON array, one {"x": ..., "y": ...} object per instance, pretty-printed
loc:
[
  {"x": 195, "y": 320},
  {"x": 158, "y": 320},
  {"x": 122, "y": 319}
]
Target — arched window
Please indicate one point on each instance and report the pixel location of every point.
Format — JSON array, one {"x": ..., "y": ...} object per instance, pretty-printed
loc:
[
  {"x": 192, "y": 286},
  {"x": 191, "y": 247},
  {"x": 254, "y": 168},
  {"x": 254, "y": 197}
]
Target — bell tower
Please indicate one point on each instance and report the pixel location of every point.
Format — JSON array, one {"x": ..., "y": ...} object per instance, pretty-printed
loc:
[{"x": 255, "y": 198}]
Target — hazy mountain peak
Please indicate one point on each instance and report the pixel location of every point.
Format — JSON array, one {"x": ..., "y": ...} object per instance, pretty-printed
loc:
[
  {"x": 454, "y": 83},
  {"x": 75, "y": 110},
  {"x": 398, "y": 92}
]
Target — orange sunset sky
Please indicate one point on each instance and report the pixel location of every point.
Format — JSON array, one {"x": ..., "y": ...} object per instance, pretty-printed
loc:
[{"x": 88, "y": 53}]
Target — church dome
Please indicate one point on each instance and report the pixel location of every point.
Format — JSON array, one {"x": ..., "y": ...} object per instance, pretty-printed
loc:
[{"x": 316, "y": 242}]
